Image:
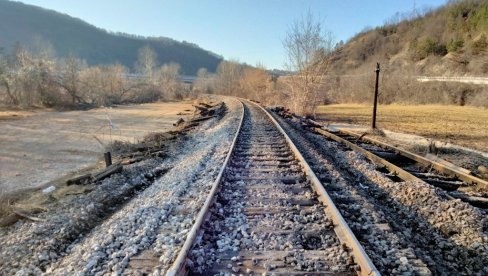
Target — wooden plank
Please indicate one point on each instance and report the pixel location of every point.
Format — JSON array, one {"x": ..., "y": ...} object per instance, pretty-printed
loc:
[
  {"x": 114, "y": 168},
  {"x": 80, "y": 180},
  {"x": 477, "y": 201}
]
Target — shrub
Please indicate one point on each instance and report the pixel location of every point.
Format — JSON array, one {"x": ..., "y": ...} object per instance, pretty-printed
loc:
[
  {"x": 455, "y": 45},
  {"x": 422, "y": 49}
]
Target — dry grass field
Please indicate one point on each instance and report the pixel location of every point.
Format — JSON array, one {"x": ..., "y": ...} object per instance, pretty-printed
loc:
[
  {"x": 462, "y": 125},
  {"x": 39, "y": 146}
]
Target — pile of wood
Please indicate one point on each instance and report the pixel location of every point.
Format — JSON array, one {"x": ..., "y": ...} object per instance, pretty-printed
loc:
[
  {"x": 204, "y": 109},
  {"x": 282, "y": 112}
]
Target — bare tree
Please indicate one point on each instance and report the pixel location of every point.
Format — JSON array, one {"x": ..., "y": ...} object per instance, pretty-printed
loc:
[
  {"x": 20, "y": 76},
  {"x": 7, "y": 77},
  {"x": 203, "y": 83},
  {"x": 68, "y": 78},
  {"x": 115, "y": 84},
  {"x": 227, "y": 79},
  {"x": 255, "y": 83},
  {"x": 167, "y": 77},
  {"x": 26, "y": 77},
  {"x": 92, "y": 90},
  {"x": 146, "y": 62},
  {"x": 308, "y": 47}
]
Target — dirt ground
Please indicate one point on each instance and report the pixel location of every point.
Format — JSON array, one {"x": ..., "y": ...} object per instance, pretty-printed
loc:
[
  {"x": 461, "y": 125},
  {"x": 39, "y": 146}
]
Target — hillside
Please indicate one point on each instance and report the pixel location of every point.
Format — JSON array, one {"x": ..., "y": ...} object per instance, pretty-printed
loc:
[
  {"x": 71, "y": 36},
  {"x": 449, "y": 41}
]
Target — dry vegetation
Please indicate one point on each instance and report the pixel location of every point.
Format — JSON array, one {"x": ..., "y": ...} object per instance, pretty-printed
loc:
[
  {"x": 308, "y": 47},
  {"x": 464, "y": 126},
  {"x": 37, "y": 78},
  {"x": 449, "y": 41}
]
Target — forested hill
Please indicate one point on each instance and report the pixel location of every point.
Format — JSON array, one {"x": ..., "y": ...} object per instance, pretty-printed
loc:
[
  {"x": 32, "y": 26},
  {"x": 448, "y": 41}
]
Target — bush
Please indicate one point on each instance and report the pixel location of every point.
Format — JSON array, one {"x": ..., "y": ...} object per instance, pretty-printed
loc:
[
  {"x": 479, "y": 20},
  {"x": 387, "y": 30},
  {"x": 422, "y": 49},
  {"x": 455, "y": 45}
]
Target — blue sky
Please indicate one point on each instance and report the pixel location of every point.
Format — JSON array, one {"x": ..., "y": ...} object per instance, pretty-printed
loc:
[{"x": 250, "y": 31}]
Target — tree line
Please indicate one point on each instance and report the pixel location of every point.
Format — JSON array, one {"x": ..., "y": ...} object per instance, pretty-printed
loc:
[{"x": 38, "y": 78}]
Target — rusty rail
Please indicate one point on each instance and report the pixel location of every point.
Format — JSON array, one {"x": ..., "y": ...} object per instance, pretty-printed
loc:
[
  {"x": 178, "y": 267},
  {"x": 340, "y": 226},
  {"x": 470, "y": 179},
  {"x": 391, "y": 167}
]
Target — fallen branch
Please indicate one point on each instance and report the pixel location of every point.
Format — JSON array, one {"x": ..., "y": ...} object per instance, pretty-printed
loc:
[
  {"x": 26, "y": 216},
  {"x": 202, "y": 119},
  {"x": 134, "y": 160},
  {"x": 179, "y": 122}
]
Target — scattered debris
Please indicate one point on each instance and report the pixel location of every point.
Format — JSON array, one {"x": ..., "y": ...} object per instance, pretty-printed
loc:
[
  {"x": 48, "y": 190},
  {"x": 80, "y": 180},
  {"x": 179, "y": 122}
]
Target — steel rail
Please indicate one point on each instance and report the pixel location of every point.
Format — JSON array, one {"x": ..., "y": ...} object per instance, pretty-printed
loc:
[
  {"x": 179, "y": 265},
  {"x": 470, "y": 179},
  {"x": 371, "y": 156},
  {"x": 476, "y": 201},
  {"x": 340, "y": 226}
]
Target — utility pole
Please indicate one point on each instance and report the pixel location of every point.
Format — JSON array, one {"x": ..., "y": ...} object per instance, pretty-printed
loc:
[{"x": 375, "y": 103}]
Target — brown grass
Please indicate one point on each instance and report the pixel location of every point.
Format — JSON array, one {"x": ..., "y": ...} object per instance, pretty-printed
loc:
[{"x": 462, "y": 125}]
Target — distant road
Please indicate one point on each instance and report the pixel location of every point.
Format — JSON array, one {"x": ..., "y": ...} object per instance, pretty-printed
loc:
[{"x": 473, "y": 80}]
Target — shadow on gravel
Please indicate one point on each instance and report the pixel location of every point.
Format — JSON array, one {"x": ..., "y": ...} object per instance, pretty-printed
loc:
[{"x": 434, "y": 246}]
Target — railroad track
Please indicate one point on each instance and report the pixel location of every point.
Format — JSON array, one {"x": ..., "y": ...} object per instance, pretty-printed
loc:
[
  {"x": 268, "y": 212},
  {"x": 406, "y": 227},
  {"x": 402, "y": 165}
]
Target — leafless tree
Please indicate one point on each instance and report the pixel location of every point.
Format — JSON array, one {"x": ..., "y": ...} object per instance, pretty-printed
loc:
[
  {"x": 167, "y": 78},
  {"x": 203, "y": 83},
  {"x": 146, "y": 62},
  {"x": 308, "y": 46},
  {"x": 227, "y": 79},
  {"x": 115, "y": 83},
  {"x": 68, "y": 78},
  {"x": 25, "y": 76},
  {"x": 92, "y": 88},
  {"x": 255, "y": 83}
]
